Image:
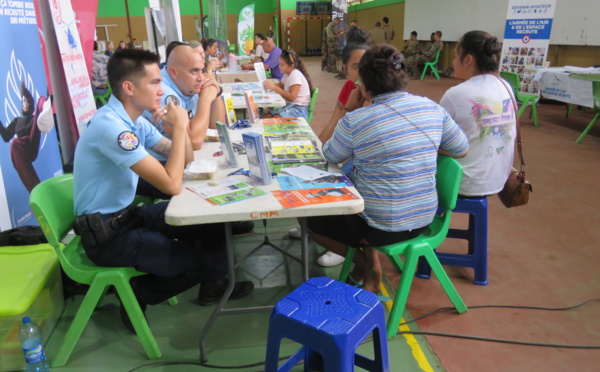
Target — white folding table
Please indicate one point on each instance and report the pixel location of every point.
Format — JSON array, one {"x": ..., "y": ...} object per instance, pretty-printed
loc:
[{"x": 188, "y": 208}]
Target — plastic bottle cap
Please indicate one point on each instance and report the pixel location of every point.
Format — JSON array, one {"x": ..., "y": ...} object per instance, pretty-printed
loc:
[{"x": 26, "y": 320}]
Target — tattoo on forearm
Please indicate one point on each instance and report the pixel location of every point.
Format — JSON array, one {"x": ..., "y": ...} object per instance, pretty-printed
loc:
[{"x": 163, "y": 147}]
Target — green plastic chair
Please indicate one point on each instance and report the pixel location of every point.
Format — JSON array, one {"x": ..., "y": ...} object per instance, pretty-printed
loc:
[
  {"x": 103, "y": 98},
  {"x": 524, "y": 98},
  {"x": 449, "y": 173},
  {"x": 313, "y": 100},
  {"x": 596, "y": 94},
  {"x": 432, "y": 66},
  {"x": 232, "y": 48},
  {"x": 52, "y": 203}
]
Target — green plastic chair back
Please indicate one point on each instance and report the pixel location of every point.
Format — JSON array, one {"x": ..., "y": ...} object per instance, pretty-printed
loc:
[
  {"x": 449, "y": 173},
  {"x": 103, "y": 98},
  {"x": 523, "y": 98},
  {"x": 232, "y": 48},
  {"x": 313, "y": 100},
  {"x": 432, "y": 66},
  {"x": 596, "y": 94},
  {"x": 52, "y": 203}
]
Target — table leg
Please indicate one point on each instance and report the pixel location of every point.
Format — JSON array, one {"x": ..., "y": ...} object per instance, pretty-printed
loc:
[
  {"x": 219, "y": 307},
  {"x": 304, "y": 244}
]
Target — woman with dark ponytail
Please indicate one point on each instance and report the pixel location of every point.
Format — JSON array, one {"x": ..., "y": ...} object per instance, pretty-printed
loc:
[
  {"x": 482, "y": 107},
  {"x": 295, "y": 87},
  {"x": 394, "y": 143}
]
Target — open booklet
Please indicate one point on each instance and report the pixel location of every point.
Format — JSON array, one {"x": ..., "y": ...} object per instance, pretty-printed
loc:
[{"x": 228, "y": 190}]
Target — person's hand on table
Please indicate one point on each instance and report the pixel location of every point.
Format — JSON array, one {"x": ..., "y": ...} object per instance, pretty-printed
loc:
[
  {"x": 247, "y": 66},
  {"x": 269, "y": 85}
]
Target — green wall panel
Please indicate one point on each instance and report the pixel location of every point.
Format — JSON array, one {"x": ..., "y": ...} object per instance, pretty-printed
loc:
[{"x": 116, "y": 8}]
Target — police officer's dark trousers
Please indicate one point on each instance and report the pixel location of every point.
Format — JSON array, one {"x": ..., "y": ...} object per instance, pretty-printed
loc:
[{"x": 176, "y": 258}]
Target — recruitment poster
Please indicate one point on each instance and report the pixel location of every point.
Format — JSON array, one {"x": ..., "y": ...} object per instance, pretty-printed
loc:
[
  {"x": 29, "y": 148},
  {"x": 245, "y": 33},
  {"x": 73, "y": 61},
  {"x": 526, "y": 39}
]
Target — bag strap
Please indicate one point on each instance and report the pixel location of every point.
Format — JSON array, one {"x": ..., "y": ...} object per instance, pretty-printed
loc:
[
  {"x": 415, "y": 125},
  {"x": 519, "y": 142}
]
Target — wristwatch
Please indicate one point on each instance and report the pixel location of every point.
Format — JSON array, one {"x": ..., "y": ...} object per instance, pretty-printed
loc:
[{"x": 220, "y": 91}]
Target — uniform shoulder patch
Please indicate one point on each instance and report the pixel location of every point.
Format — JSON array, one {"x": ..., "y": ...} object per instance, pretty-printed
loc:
[{"x": 128, "y": 141}]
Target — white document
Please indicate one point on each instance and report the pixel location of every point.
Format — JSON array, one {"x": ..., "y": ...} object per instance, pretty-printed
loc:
[{"x": 306, "y": 173}]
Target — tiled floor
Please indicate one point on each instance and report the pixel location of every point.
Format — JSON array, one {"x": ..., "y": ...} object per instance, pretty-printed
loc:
[{"x": 543, "y": 254}]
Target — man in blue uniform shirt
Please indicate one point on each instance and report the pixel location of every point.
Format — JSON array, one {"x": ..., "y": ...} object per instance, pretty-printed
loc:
[
  {"x": 110, "y": 158},
  {"x": 185, "y": 85}
]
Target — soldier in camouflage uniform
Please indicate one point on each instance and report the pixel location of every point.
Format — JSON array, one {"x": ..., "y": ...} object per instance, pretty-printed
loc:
[
  {"x": 332, "y": 48},
  {"x": 413, "y": 63}
]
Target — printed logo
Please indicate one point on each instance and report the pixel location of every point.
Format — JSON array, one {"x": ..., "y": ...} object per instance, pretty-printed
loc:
[
  {"x": 526, "y": 39},
  {"x": 173, "y": 99},
  {"x": 499, "y": 149},
  {"x": 128, "y": 141}
]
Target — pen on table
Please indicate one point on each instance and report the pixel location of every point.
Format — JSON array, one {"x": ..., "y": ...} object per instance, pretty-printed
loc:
[{"x": 236, "y": 171}]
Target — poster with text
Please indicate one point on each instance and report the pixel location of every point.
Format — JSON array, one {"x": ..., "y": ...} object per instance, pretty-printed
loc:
[
  {"x": 73, "y": 61},
  {"x": 29, "y": 148},
  {"x": 526, "y": 39}
]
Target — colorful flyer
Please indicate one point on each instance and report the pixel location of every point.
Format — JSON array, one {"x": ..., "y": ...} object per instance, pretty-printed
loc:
[
  {"x": 225, "y": 191},
  {"x": 336, "y": 180},
  {"x": 299, "y": 198}
]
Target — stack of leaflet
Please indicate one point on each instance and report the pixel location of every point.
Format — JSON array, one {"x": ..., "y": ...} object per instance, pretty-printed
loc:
[
  {"x": 226, "y": 145},
  {"x": 306, "y": 185},
  {"x": 229, "y": 110},
  {"x": 291, "y": 141},
  {"x": 257, "y": 160}
]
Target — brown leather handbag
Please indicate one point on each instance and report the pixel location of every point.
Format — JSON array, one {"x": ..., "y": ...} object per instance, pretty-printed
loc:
[{"x": 516, "y": 189}]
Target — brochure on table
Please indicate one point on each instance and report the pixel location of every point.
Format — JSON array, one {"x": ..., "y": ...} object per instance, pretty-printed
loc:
[
  {"x": 225, "y": 191},
  {"x": 299, "y": 198},
  {"x": 257, "y": 160},
  {"x": 335, "y": 180},
  {"x": 227, "y": 147},
  {"x": 229, "y": 110}
]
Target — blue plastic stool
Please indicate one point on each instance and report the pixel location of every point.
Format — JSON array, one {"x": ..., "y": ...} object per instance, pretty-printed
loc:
[
  {"x": 477, "y": 233},
  {"x": 330, "y": 319}
]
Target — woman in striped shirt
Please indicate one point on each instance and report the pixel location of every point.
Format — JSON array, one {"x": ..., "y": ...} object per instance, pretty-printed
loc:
[{"x": 394, "y": 143}]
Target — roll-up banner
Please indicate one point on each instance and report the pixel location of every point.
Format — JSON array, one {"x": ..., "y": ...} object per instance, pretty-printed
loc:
[{"x": 245, "y": 37}]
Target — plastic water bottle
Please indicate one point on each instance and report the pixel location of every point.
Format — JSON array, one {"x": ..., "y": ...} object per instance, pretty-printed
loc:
[
  {"x": 31, "y": 341},
  {"x": 232, "y": 63}
]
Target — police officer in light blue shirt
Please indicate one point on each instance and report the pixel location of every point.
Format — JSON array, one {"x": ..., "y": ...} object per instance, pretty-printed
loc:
[
  {"x": 110, "y": 158},
  {"x": 187, "y": 86}
]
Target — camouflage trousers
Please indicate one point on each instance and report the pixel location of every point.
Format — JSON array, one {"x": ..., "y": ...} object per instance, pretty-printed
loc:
[
  {"x": 414, "y": 63},
  {"x": 332, "y": 48},
  {"x": 325, "y": 52}
]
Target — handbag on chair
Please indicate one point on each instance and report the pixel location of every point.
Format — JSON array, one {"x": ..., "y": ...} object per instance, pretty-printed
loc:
[{"x": 516, "y": 189}]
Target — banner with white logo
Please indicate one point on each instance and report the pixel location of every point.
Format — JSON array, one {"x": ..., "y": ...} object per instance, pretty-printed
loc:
[{"x": 526, "y": 39}]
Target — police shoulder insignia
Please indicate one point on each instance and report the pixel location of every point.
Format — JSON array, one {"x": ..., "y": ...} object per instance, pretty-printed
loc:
[{"x": 128, "y": 141}]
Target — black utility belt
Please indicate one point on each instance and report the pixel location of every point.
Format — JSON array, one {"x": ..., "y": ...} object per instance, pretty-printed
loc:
[{"x": 94, "y": 229}]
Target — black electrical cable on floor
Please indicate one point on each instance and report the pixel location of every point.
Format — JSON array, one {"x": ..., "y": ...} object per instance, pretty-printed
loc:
[{"x": 427, "y": 333}]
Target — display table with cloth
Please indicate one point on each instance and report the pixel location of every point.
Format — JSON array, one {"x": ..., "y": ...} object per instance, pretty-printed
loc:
[{"x": 569, "y": 84}]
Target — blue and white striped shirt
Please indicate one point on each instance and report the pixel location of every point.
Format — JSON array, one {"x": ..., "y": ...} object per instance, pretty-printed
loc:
[{"x": 395, "y": 160}]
